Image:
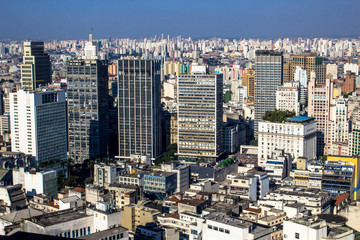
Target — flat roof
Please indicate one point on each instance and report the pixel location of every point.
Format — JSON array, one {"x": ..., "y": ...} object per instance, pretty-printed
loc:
[
  {"x": 300, "y": 119},
  {"x": 105, "y": 233},
  {"x": 58, "y": 218}
]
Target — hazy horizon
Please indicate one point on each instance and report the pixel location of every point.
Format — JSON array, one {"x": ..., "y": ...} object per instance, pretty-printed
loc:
[{"x": 263, "y": 19}]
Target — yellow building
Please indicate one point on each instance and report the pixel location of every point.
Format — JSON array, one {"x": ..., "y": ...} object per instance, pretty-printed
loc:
[
  {"x": 337, "y": 168},
  {"x": 135, "y": 215},
  {"x": 248, "y": 80}
]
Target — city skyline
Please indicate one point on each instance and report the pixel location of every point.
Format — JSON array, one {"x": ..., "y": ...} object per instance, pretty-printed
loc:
[{"x": 203, "y": 19}]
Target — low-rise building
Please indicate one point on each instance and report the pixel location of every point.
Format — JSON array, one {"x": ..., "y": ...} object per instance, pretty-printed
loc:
[
  {"x": 316, "y": 228},
  {"x": 124, "y": 194},
  {"x": 105, "y": 174},
  {"x": 36, "y": 182},
  {"x": 316, "y": 200},
  {"x": 134, "y": 215},
  {"x": 118, "y": 233},
  {"x": 279, "y": 165},
  {"x": 220, "y": 226},
  {"x": 160, "y": 182},
  {"x": 70, "y": 224},
  {"x": 183, "y": 174},
  {"x": 12, "y": 197},
  {"x": 192, "y": 205}
]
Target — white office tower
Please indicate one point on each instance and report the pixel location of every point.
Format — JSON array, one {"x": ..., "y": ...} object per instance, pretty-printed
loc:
[
  {"x": 297, "y": 136},
  {"x": 288, "y": 97},
  {"x": 38, "y": 124},
  {"x": 91, "y": 50},
  {"x": 300, "y": 75}
]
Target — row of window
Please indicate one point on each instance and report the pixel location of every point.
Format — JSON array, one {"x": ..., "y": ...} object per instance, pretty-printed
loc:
[{"x": 219, "y": 229}]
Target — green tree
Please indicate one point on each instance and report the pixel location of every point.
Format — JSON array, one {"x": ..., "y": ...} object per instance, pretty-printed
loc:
[{"x": 227, "y": 96}]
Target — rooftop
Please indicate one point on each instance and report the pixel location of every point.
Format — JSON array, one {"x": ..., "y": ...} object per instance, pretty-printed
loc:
[
  {"x": 70, "y": 199},
  {"x": 58, "y": 218},
  {"x": 77, "y": 189},
  {"x": 104, "y": 234},
  {"x": 300, "y": 119},
  {"x": 192, "y": 202}
]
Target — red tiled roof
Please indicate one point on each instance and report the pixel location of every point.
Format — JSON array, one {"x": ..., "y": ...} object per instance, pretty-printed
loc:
[{"x": 77, "y": 189}]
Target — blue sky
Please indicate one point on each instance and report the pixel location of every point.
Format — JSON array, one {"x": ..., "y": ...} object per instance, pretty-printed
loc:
[{"x": 72, "y": 19}]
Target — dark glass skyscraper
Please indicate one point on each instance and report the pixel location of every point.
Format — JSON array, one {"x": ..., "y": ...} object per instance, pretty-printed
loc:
[
  {"x": 139, "y": 108},
  {"x": 268, "y": 76},
  {"x": 87, "y": 108},
  {"x": 36, "y": 67}
]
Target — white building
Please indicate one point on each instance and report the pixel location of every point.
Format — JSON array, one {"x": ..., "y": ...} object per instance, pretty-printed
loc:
[
  {"x": 300, "y": 76},
  {"x": 221, "y": 226},
  {"x": 279, "y": 166},
  {"x": 36, "y": 182},
  {"x": 105, "y": 174},
  {"x": 314, "y": 228},
  {"x": 352, "y": 67},
  {"x": 38, "y": 124},
  {"x": 70, "y": 202},
  {"x": 297, "y": 136},
  {"x": 90, "y": 50},
  {"x": 340, "y": 127},
  {"x": 332, "y": 69},
  {"x": 288, "y": 97},
  {"x": 170, "y": 89}
]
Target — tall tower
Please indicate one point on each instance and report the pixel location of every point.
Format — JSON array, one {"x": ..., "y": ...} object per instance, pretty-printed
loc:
[
  {"x": 320, "y": 100},
  {"x": 268, "y": 76},
  {"x": 200, "y": 125},
  {"x": 87, "y": 96},
  {"x": 38, "y": 124},
  {"x": 307, "y": 61},
  {"x": 36, "y": 67},
  {"x": 139, "y": 108}
]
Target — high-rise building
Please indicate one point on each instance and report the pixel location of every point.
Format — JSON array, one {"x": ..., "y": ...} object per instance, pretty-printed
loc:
[
  {"x": 307, "y": 61},
  {"x": 288, "y": 97},
  {"x": 248, "y": 80},
  {"x": 297, "y": 136},
  {"x": 87, "y": 108},
  {"x": 349, "y": 84},
  {"x": 340, "y": 124},
  {"x": 320, "y": 99},
  {"x": 200, "y": 125},
  {"x": 87, "y": 93},
  {"x": 139, "y": 108},
  {"x": 36, "y": 67},
  {"x": 268, "y": 76},
  {"x": 38, "y": 124}
]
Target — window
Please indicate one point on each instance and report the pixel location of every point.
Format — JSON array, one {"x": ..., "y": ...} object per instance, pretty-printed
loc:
[
  {"x": 297, "y": 235},
  {"x": 215, "y": 228},
  {"x": 221, "y": 230},
  {"x": 210, "y": 227},
  {"x": 227, "y": 231}
]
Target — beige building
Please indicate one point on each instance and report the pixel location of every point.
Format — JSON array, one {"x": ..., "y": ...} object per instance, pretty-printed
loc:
[
  {"x": 124, "y": 194},
  {"x": 135, "y": 215},
  {"x": 319, "y": 107},
  {"x": 173, "y": 128},
  {"x": 104, "y": 174},
  {"x": 308, "y": 62}
]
